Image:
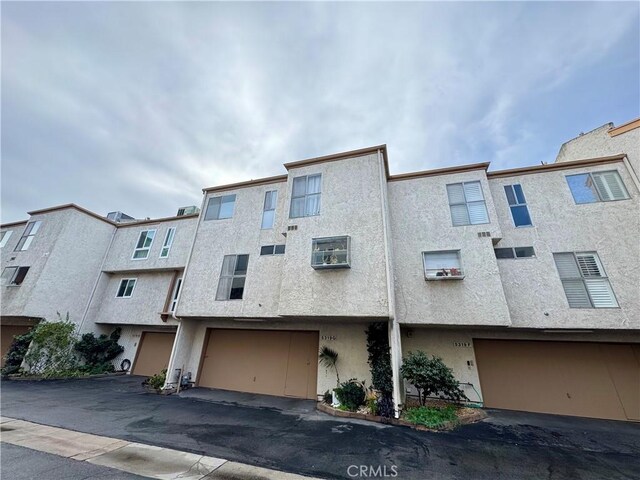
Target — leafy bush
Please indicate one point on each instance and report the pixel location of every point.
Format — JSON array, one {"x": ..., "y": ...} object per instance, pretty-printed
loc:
[
  {"x": 16, "y": 353},
  {"x": 385, "y": 407},
  {"x": 379, "y": 357},
  {"x": 430, "y": 377},
  {"x": 351, "y": 394},
  {"x": 372, "y": 405},
  {"x": 156, "y": 381},
  {"x": 327, "y": 397},
  {"x": 51, "y": 353},
  {"x": 98, "y": 353},
  {"x": 432, "y": 417}
]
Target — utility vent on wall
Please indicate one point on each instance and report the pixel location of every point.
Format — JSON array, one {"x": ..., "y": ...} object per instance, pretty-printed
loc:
[
  {"x": 292, "y": 227},
  {"x": 484, "y": 234}
]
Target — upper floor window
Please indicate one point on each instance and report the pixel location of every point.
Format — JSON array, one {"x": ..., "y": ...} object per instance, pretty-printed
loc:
[
  {"x": 331, "y": 252},
  {"x": 14, "y": 275},
  {"x": 272, "y": 250},
  {"x": 305, "y": 199},
  {"x": 518, "y": 205},
  {"x": 4, "y": 237},
  {"x": 125, "y": 290},
  {"x": 27, "y": 236},
  {"x": 269, "y": 211},
  {"x": 443, "y": 265},
  {"x": 174, "y": 296},
  {"x": 467, "y": 205},
  {"x": 597, "y": 187},
  {"x": 168, "y": 241},
  {"x": 515, "y": 252},
  {"x": 219, "y": 208},
  {"x": 584, "y": 280},
  {"x": 145, "y": 240},
  {"x": 232, "y": 277}
]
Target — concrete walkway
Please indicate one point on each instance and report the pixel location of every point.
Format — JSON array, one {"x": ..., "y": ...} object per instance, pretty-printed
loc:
[{"x": 137, "y": 458}]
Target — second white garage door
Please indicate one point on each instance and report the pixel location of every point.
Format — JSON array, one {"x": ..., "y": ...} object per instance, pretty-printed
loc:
[{"x": 271, "y": 362}]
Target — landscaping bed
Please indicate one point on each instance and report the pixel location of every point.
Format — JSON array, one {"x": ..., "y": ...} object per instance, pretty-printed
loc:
[{"x": 67, "y": 377}]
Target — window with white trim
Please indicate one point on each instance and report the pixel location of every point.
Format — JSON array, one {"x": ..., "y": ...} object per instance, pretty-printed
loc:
[
  {"x": 4, "y": 237},
  {"x": 174, "y": 297},
  {"x": 168, "y": 241},
  {"x": 27, "y": 237},
  {"x": 220, "y": 208},
  {"x": 518, "y": 205},
  {"x": 514, "y": 252},
  {"x": 306, "y": 196},
  {"x": 13, "y": 275},
  {"x": 145, "y": 240},
  {"x": 269, "y": 209},
  {"x": 584, "y": 280},
  {"x": 442, "y": 265},
  {"x": 467, "y": 204},
  {"x": 125, "y": 290},
  {"x": 232, "y": 277},
  {"x": 597, "y": 187}
]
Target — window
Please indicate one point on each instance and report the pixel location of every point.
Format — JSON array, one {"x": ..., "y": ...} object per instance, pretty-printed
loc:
[
  {"x": 331, "y": 252},
  {"x": 272, "y": 250},
  {"x": 305, "y": 199},
  {"x": 515, "y": 252},
  {"x": 174, "y": 297},
  {"x": 145, "y": 240},
  {"x": 219, "y": 208},
  {"x": 466, "y": 202},
  {"x": 232, "y": 277},
  {"x": 597, "y": 187},
  {"x": 14, "y": 275},
  {"x": 444, "y": 265},
  {"x": 584, "y": 281},
  {"x": 168, "y": 241},
  {"x": 125, "y": 290},
  {"x": 4, "y": 237},
  {"x": 518, "y": 205},
  {"x": 269, "y": 211},
  {"x": 27, "y": 236}
]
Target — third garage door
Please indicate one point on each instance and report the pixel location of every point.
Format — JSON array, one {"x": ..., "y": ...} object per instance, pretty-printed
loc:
[
  {"x": 598, "y": 380},
  {"x": 271, "y": 362}
]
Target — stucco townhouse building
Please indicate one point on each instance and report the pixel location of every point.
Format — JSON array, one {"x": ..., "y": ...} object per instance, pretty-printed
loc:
[{"x": 525, "y": 281}]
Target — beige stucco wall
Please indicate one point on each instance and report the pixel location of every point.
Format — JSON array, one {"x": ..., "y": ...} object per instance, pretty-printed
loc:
[
  {"x": 126, "y": 238},
  {"x": 421, "y": 221},
  {"x": 348, "y": 338},
  {"x": 533, "y": 288}
]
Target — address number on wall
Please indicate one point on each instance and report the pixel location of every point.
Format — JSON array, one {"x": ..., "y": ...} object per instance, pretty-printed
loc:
[
  {"x": 328, "y": 337},
  {"x": 461, "y": 344}
]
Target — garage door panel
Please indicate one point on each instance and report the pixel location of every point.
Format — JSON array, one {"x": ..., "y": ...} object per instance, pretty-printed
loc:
[
  {"x": 568, "y": 378},
  {"x": 153, "y": 353},
  {"x": 271, "y": 362}
]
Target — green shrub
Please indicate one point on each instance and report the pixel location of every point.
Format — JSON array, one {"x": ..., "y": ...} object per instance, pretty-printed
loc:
[
  {"x": 433, "y": 417},
  {"x": 51, "y": 353},
  {"x": 16, "y": 353},
  {"x": 327, "y": 397},
  {"x": 351, "y": 394},
  {"x": 379, "y": 357},
  {"x": 372, "y": 404},
  {"x": 99, "y": 352},
  {"x": 385, "y": 407},
  {"x": 430, "y": 377},
  {"x": 157, "y": 381}
]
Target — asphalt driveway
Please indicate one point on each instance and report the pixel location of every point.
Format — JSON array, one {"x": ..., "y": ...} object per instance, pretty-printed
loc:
[{"x": 507, "y": 445}]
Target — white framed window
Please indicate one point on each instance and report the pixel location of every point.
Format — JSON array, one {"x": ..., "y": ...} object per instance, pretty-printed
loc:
[
  {"x": 306, "y": 196},
  {"x": 518, "y": 205},
  {"x": 514, "y": 252},
  {"x": 13, "y": 276},
  {"x": 467, "y": 204},
  {"x": 220, "y": 208},
  {"x": 125, "y": 290},
  {"x": 168, "y": 241},
  {"x": 145, "y": 240},
  {"x": 584, "y": 280},
  {"x": 174, "y": 296},
  {"x": 4, "y": 237},
  {"x": 442, "y": 265},
  {"x": 331, "y": 252},
  {"x": 269, "y": 210},
  {"x": 232, "y": 277},
  {"x": 27, "y": 236},
  {"x": 597, "y": 187},
  {"x": 272, "y": 250}
]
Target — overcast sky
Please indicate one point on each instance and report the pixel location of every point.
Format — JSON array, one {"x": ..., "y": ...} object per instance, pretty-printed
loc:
[{"x": 138, "y": 106}]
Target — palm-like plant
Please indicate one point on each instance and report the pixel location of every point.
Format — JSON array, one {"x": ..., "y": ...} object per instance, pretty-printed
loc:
[{"x": 329, "y": 358}]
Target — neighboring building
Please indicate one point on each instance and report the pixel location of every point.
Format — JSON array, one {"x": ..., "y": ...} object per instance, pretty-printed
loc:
[{"x": 524, "y": 281}]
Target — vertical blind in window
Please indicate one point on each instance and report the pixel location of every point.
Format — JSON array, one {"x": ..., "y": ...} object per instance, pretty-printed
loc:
[
  {"x": 584, "y": 280},
  {"x": 597, "y": 187}
]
